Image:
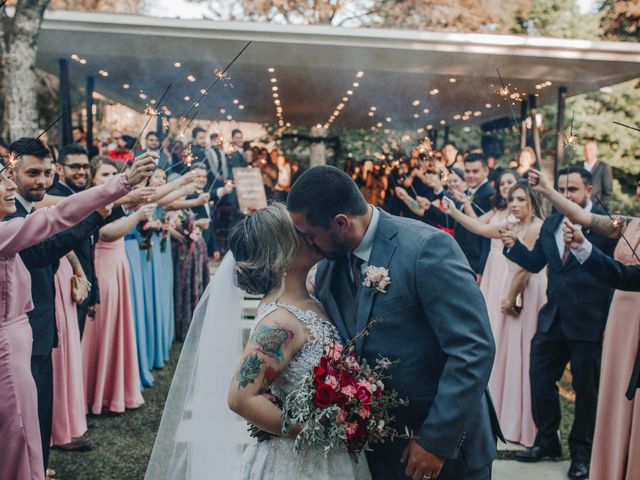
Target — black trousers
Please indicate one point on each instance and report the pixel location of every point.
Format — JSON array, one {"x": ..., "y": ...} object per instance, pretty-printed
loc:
[
  {"x": 82, "y": 309},
  {"x": 42, "y": 371},
  {"x": 550, "y": 353}
]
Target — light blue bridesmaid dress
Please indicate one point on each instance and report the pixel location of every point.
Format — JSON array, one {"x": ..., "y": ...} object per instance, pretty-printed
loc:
[
  {"x": 136, "y": 258},
  {"x": 162, "y": 288}
]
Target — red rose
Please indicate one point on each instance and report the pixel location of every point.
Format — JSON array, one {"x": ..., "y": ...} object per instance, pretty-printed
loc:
[
  {"x": 319, "y": 372},
  {"x": 363, "y": 395},
  {"x": 347, "y": 379},
  {"x": 361, "y": 432},
  {"x": 325, "y": 395},
  {"x": 341, "y": 399}
]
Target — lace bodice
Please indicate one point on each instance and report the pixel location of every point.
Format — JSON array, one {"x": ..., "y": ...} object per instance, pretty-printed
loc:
[{"x": 321, "y": 332}]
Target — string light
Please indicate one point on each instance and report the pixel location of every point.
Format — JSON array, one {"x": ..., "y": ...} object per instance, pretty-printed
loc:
[
  {"x": 340, "y": 106},
  {"x": 276, "y": 99}
]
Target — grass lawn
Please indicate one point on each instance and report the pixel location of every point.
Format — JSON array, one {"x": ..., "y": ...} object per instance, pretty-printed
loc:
[{"x": 123, "y": 443}]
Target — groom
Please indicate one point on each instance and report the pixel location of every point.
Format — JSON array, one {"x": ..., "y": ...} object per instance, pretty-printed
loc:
[{"x": 434, "y": 320}]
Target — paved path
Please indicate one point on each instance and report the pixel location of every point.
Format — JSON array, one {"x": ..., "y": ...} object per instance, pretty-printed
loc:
[{"x": 512, "y": 470}]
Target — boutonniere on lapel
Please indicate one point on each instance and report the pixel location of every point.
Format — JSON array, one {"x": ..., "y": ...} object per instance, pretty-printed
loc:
[{"x": 376, "y": 279}]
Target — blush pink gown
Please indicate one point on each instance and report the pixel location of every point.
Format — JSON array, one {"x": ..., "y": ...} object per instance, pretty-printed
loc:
[
  {"x": 616, "y": 443},
  {"x": 20, "y": 448},
  {"x": 69, "y": 419},
  {"x": 509, "y": 382},
  {"x": 494, "y": 280},
  {"x": 110, "y": 359}
]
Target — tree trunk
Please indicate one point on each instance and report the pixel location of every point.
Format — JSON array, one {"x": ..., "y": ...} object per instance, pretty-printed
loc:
[{"x": 19, "y": 54}]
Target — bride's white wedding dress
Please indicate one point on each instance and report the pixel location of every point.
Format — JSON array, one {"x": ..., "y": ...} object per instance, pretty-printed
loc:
[
  {"x": 200, "y": 437},
  {"x": 276, "y": 459}
]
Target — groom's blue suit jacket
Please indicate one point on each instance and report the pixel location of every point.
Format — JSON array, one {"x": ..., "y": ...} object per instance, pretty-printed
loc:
[{"x": 434, "y": 320}]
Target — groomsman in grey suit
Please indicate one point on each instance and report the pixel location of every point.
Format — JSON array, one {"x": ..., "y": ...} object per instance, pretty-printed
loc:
[
  {"x": 433, "y": 320},
  {"x": 602, "y": 178}
]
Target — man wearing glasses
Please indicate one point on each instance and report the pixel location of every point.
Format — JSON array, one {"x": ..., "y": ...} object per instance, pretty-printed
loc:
[{"x": 73, "y": 172}]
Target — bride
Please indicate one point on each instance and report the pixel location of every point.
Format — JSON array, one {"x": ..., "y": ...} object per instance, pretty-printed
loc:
[{"x": 199, "y": 436}]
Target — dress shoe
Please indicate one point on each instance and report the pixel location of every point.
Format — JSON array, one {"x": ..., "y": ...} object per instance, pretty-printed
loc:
[
  {"x": 536, "y": 453},
  {"x": 578, "y": 470},
  {"x": 77, "y": 445}
]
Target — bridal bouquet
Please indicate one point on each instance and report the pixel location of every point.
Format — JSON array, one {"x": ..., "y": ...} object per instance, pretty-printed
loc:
[{"x": 342, "y": 402}]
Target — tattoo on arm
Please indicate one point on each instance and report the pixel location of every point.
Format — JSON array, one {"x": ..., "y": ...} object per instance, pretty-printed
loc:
[
  {"x": 249, "y": 370},
  {"x": 603, "y": 225},
  {"x": 271, "y": 340},
  {"x": 75, "y": 264}
]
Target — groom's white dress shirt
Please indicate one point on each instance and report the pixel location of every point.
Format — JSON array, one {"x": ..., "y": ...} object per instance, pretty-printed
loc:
[{"x": 363, "y": 251}]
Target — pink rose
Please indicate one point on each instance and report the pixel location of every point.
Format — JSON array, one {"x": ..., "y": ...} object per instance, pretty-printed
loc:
[
  {"x": 351, "y": 428},
  {"x": 363, "y": 395},
  {"x": 365, "y": 411},
  {"x": 350, "y": 391},
  {"x": 332, "y": 381}
]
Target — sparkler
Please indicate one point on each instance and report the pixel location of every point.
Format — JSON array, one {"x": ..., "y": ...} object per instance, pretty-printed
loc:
[
  {"x": 616, "y": 224},
  {"x": 627, "y": 126},
  {"x": 504, "y": 91},
  {"x": 13, "y": 158},
  {"x": 195, "y": 114},
  {"x": 218, "y": 76},
  {"x": 152, "y": 113}
]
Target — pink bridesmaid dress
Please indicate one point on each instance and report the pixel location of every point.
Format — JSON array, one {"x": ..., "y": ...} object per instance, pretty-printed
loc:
[
  {"x": 69, "y": 416},
  {"x": 20, "y": 448},
  {"x": 616, "y": 442},
  {"x": 509, "y": 382},
  {"x": 494, "y": 279},
  {"x": 110, "y": 359}
]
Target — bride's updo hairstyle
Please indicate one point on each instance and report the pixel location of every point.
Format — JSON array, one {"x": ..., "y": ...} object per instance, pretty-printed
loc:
[{"x": 263, "y": 245}]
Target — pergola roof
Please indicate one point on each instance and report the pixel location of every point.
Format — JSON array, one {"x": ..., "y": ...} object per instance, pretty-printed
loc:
[{"x": 315, "y": 67}]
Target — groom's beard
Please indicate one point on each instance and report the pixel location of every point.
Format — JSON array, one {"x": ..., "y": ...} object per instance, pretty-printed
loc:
[{"x": 339, "y": 250}]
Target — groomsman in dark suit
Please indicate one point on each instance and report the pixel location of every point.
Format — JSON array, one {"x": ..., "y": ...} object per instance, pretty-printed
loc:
[
  {"x": 236, "y": 158},
  {"x": 153, "y": 144},
  {"x": 33, "y": 174},
  {"x": 216, "y": 160},
  {"x": 206, "y": 212},
  {"x": 73, "y": 176},
  {"x": 614, "y": 273},
  {"x": 602, "y": 177},
  {"x": 570, "y": 328},
  {"x": 476, "y": 176}
]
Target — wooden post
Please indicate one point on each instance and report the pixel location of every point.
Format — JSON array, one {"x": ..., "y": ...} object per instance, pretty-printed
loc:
[
  {"x": 89, "y": 101},
  {"x": 523, "y": 123},
  {"x": 446, "y": 134},
  {"x": 559, "y": 160},
  {"x": 65, "y": 103},
  {"x": 533, "y": 109}
]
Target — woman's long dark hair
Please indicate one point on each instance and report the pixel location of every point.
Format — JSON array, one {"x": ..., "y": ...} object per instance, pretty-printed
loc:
[
  {"x": 533, "y": 197},
  {"x": 498, "y": 201}
]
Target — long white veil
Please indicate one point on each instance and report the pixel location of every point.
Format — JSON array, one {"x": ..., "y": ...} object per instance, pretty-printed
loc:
[{"x": 199, "y": 437}]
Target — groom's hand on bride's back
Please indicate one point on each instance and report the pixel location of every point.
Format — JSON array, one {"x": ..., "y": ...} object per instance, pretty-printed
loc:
[{"x": 421, "y": 464}]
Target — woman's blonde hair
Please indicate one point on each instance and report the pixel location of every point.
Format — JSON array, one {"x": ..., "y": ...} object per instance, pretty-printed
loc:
[{"x": 263, "y": 245}]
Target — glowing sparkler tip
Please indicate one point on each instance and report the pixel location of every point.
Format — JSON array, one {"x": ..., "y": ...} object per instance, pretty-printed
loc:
[{"x": 571, "y": 139}]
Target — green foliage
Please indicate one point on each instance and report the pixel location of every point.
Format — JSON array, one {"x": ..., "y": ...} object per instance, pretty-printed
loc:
[{"x": 560, "y": 19}]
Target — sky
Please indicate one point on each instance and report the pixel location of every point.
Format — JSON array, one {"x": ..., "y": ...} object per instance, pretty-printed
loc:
[{"x": 183, "y": 9}]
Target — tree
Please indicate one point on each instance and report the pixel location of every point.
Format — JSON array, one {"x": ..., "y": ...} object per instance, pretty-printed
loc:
[
  {"x": 495, "y": 16},
  {"x": 18, "y": 48},
  {"x": 621, "y": 20},
  {"x": 113, "y": 6},
  {"x": 560, "y": 19}
]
